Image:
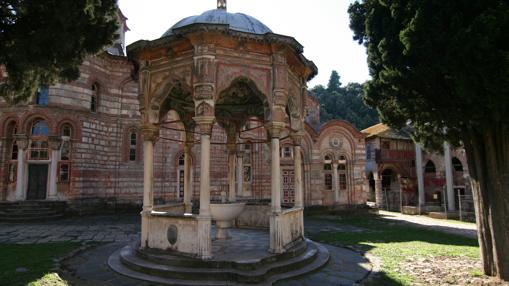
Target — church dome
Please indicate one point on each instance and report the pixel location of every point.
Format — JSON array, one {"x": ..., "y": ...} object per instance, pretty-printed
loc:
[{"x": 236, "y": 21}]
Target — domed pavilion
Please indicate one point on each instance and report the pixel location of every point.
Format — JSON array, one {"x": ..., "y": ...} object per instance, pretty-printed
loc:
[{"x": 229, "y": 70}]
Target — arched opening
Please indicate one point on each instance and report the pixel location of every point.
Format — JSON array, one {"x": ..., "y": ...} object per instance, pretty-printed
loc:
[
  {"x": 39, "y": 140},
  {"x": 391, "y": 190},
  {"x": 327, "y": 171},
  {"x": 39, "y": 155},
  {"x": 64, "y": 165},
  {"x": 430, "y": 168},
  {"x": 240, "y": 111}
]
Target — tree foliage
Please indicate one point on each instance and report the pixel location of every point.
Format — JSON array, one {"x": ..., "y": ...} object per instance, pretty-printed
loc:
[
  {"x": 337, "y": 102},
  {"x": 443, "y": 67},
  {"x": 433, "y": 62},
  {"x": 43, "y": 42}
]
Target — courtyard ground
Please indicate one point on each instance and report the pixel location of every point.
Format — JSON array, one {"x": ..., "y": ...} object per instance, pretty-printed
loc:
[{"x": 403, "y": 250}]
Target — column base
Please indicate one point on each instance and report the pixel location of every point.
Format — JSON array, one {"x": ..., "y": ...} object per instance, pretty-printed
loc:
[
  {"x": 188, "y": 208},
  {"x": 204, "y": 239}
]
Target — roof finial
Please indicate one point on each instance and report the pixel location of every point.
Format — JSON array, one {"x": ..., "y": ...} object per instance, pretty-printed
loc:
[{"x": 221, "y": 4}]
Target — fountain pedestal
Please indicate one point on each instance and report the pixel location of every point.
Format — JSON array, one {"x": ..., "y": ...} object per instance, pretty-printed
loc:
[{"x": 224, "y": 214}]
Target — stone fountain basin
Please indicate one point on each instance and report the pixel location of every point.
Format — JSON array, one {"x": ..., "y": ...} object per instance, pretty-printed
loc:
[{"x": 226, "y": 211}]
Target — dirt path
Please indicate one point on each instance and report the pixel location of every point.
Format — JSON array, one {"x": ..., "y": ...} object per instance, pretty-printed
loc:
[{"x": 448, "y": 226}]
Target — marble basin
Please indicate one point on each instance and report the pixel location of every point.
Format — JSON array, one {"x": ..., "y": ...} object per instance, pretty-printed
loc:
[{"x": 224, "y": 214}]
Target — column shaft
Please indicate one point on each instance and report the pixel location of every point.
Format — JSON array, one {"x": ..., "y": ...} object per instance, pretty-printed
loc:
[
  {"x": 148, "y": 183},
  {"x": 240, "y": 175},
  {"x": 297, "y": 161},
  {"x": 20, "y": 176},
  {"x": 378, "y": 192},
  {"x": 148, "y": 175},
  {"x": 335, "y": 182},
  {"x": 448, "y": 177},
  {"x": 187, "y": 179},
  {"x": 52, "y": 194},
  {"x": 275, "y": 176},
  {"x": 205, "y": 175},
  {"x": 231, "y": 176}
]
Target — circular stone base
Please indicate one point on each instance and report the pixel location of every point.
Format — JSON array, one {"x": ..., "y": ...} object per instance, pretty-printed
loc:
[{"x": 174, "y": 269}]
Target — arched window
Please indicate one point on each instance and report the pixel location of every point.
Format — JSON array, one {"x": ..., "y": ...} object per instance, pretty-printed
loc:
[
  {"x": 430, "y": 167},
  {"x": 456, "y": 164},
  {"x": 133, "y": 142},
  {"x": 40, "y": 128},
  {"x": 94, "y": 98},
  {"x": 286, "y": 152},
  {"x": 342, "y": 173},
  {"x": 327, "y": 170},
  {"x": 39, "y": 142},
  {"x": 66, "y": 130},
  {"x": 42, "y": 96}
]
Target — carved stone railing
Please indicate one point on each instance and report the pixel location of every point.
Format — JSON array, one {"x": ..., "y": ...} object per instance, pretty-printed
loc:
[{"x": 287, "y": 228}]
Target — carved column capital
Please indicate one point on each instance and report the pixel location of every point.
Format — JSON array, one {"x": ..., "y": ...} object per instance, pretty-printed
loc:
[
  {"x": 54, "y": 142},
  {"x": 150, "y": 132},
  {"x": 205, "y": 123},
  {"x": 21, "y": 141},
  {"x": 275, "y": 128},
  {"x": 297, "y": 138}
]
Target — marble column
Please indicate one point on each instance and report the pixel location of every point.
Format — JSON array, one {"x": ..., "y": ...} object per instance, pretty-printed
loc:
[
  {"x": 54, "y": 143},
  {"x": 420, "y": 177},
  {"x": 276, "y": 223},
  {"x": 187, "y": 178},
  {"x": 150, "y": 135},
  {"x": 232, "y": 154},
  {"x": 275, "y": 171},
  {"x": 240, "y": 173},
  {"x": 335, "y": 182},
  {"x": 378, "y": 191},
  {"x": 22, "y": 142},
  {"x": 205, "y": 124},
  {"x": 297, "y": 168},
  {"x": 451, "y": 206}
]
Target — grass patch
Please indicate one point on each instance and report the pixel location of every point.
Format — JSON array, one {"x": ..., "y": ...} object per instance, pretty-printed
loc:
[
  {"x": 393, "y": 242},
  {"x": 35, "y": 262}
]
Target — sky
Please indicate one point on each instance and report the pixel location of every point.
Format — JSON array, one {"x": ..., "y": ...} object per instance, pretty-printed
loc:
[{"x": 321, "y": 26}]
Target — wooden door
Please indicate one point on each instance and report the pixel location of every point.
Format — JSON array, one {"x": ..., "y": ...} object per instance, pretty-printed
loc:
[
  {"x": 37, "y": 182},
  {"x": 288, "y": 187}
]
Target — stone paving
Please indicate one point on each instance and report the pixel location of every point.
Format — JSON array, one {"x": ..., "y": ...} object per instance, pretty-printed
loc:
[
  {"x": 107, "y": 228},
  {"x": 114, "y": 231}
]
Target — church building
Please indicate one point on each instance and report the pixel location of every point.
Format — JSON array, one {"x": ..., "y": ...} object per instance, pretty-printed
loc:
[{"x": 81, "y": 142}]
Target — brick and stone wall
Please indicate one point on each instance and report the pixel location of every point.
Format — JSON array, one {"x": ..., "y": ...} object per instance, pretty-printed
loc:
[{"x": 102, "y": 174}]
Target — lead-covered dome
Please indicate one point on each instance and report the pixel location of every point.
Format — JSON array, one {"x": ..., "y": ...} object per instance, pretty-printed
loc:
[{"x": 236, "y": 21}]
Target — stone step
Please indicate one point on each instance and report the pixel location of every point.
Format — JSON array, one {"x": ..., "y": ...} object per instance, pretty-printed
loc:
[
  {"x": 25, "y": 209},
  {"x": 29, "y": 214},
  {"x": 185, "y": 261},
  {"x": 265, "y": 270},
  {"x": 23, "y": 219},
  {"x": 312, "y": 259}
]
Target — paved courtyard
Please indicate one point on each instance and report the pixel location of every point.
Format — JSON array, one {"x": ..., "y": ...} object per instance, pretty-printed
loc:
[
  {"x": 89, "y": 267},
  {"x": 103, "y": 228}
]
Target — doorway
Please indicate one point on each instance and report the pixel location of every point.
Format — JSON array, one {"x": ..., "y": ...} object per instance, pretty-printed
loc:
[{"x": 37, "y": 182}]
